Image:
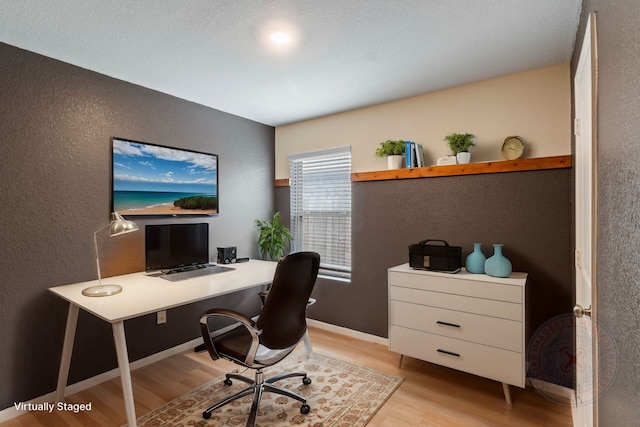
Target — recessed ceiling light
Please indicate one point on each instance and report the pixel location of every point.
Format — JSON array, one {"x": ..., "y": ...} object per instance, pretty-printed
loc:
[{"x": 280, "y": 38}]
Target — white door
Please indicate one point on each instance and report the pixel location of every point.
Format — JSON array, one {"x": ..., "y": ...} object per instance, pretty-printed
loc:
[{"x": 585, "y": 240}]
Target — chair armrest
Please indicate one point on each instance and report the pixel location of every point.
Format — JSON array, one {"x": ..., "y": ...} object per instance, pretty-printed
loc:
[
  {"x": 263, "y": 296},
  {"x": 238, "y": 317},
  {"x": 223, "y": 312}
]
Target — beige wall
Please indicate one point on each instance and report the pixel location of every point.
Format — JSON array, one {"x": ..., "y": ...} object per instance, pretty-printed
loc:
[{"x": 534, "y": 104}]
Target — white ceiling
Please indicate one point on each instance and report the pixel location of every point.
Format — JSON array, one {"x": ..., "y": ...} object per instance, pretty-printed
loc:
[{"x": 348, "y": 54}]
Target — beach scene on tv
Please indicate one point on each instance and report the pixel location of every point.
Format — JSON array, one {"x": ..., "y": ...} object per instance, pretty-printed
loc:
[{"x": 155, "y": 180}]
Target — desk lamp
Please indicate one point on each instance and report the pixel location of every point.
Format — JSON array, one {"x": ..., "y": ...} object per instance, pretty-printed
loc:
[{"x": 117, "y": 226}]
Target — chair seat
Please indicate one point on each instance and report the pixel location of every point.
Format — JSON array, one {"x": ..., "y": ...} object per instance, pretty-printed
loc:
[{"x": 235, "y": 343}]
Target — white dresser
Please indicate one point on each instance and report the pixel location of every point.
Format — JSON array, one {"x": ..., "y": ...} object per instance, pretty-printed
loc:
[{"x": 471, "y": 322}]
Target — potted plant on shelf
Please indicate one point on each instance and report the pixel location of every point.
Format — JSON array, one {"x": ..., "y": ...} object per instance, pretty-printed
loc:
[
  {"x": 273, "y": 237},
  {"x": 459, "y": 144},
  {"x": 393, "y": 150}
]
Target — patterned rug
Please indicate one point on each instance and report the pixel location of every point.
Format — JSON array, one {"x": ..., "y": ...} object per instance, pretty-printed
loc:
[{"x": 341, "y": 395}]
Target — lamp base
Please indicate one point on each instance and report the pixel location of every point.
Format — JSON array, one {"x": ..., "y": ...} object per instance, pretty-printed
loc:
[{"x": 102, "y": 290}]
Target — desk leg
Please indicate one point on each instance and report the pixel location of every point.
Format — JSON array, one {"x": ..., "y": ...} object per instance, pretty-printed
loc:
[
  {"x": 125, "y": 373},
  {"x": 67, "y": 349}
]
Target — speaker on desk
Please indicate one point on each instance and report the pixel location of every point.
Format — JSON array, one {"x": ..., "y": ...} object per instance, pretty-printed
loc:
[{"x": 227, "y": 255}]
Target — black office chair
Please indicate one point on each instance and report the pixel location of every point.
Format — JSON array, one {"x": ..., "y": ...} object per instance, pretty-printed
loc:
[{"x": 275, "y": 334}]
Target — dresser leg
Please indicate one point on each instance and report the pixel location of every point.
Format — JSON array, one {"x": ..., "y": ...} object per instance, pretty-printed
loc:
[
  {"x": 400, "y": 364},
  {"x": 507, "y": 393}
]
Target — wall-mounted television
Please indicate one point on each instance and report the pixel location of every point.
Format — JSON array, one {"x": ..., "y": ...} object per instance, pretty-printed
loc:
[{"x": 150, "y": 179}]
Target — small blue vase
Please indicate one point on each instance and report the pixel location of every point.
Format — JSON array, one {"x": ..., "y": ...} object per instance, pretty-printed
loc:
[
  {"x": 497, "y": 265},
  {"x": 476, "y": 259}
]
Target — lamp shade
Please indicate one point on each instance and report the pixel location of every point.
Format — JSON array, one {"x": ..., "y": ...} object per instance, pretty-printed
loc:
[{"x": 119, "y": 225}]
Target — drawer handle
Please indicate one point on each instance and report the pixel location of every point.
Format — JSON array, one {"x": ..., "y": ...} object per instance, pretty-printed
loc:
[
  {"x": 453, "y": 325},
  {"x": 450, "y": 353}
]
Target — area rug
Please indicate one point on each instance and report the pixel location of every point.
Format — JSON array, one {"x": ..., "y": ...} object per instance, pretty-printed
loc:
[{"x": 341, "y": 394}]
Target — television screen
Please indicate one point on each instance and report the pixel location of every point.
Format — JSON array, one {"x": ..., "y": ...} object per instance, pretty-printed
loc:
[
  {"x": 170, "y": 246},
  {"x": 150, "y": 179}
]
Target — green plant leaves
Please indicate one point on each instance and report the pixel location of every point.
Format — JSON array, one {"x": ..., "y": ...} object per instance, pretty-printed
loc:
[
  {"x": 390, "y": 148},
  {"x": 273, "y": 237},
  {"x": 459, "y": 142}
]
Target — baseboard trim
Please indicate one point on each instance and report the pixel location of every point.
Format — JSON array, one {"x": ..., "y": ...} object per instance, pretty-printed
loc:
[
  {"x": 12, "y": 412},
  {"x": 347, "y": 332}
]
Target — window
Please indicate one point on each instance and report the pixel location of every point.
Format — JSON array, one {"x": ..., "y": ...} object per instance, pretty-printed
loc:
[{"x": 320, "y": 185}]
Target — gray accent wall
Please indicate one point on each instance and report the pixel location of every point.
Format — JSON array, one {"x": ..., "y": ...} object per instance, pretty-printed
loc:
[
  {"x": 56, "y": 124},
  {"x": 618, "y": 194},
  {"x": 529, "y": 212}
]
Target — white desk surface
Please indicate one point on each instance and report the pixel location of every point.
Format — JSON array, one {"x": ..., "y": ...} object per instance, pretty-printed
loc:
[{"x": 142, "y": 294}]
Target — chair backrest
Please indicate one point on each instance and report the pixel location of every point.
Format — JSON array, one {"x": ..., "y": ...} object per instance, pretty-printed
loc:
[{"x": 283, "y": 317}]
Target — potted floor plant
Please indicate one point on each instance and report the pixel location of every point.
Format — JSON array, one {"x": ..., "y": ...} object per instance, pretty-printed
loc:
[
  {"x": 393, "y": 150},
  {"x": 273, "y": 237},
  {"x": 459, "y": 143}
]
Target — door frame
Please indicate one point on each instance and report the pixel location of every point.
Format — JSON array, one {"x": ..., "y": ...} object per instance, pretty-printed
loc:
[{"x": 590, "y": 40}]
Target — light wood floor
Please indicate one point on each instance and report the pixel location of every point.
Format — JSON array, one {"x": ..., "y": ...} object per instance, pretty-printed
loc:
[{"x": 430, "y": 395}]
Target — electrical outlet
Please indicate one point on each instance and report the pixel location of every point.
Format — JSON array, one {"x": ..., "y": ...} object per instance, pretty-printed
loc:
[{"x": 162, "y": 317}]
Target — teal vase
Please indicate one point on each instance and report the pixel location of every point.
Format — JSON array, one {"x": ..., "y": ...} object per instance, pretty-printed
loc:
[
  {"x": 497, "y": 265},
  {"x": 476, "y": 259}
]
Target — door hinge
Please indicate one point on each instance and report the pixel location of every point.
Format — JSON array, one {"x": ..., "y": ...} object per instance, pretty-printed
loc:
[
  {"x": 576, "y": 126},
  {"x": 578, "y": 259}
]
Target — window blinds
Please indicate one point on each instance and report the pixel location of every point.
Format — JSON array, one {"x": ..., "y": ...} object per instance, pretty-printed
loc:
[{"x": 320, "y": 187}]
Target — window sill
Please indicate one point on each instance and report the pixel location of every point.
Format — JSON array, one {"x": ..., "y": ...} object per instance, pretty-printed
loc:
[{"x": 334, "y": 278}]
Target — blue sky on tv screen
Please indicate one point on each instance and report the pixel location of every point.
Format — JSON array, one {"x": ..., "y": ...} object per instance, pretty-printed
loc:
[{"x": 145, "y": 167}]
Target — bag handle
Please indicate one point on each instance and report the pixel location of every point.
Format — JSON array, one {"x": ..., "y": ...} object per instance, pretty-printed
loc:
[{"x": 424, "y": 242}]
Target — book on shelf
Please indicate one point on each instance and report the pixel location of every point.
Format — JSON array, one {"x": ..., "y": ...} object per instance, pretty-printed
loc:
[
  {"x": 414, "y": 155},
  {"x": 419, "y": 156}
]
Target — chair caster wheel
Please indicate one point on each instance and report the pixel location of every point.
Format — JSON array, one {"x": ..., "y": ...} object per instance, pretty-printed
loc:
[
  {"x": 306, "y": 381},
  {"x": 206, "y": 415},
  {"x": 227, "y": 381},
  {"x": 304, "y": 409}
]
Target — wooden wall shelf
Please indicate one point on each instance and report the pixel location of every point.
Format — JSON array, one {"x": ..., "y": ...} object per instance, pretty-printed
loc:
[
  {"x": 541, "y": 163},
  {"x": 520, "y": 165}
]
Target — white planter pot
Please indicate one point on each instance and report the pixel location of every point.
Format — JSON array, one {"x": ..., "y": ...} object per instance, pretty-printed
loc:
[
  {"x": 464, "y": 157},
  {"x": 394, "y": 162}
]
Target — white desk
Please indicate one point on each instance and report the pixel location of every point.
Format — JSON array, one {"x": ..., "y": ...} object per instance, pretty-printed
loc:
[{"x": 142, "y": 294}]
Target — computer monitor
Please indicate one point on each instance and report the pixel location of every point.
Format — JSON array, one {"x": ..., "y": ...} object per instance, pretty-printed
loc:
[{"x": 169, "y": 246}]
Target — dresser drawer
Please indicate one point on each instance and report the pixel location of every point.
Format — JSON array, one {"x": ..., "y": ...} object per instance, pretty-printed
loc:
[
  {"x": 489, "y": 362},
  {"x": 466, "y": 284},
  {"x": 491, "y": 331},
  {"x": 483, "y": 306}
]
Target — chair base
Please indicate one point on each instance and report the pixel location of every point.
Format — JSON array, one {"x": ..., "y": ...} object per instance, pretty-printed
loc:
[{"x": 257, "y": 387}]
